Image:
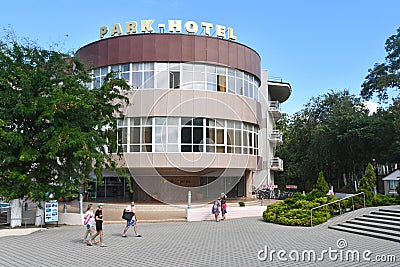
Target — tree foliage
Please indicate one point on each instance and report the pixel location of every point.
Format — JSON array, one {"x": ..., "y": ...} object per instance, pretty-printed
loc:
[
  {"x": 53, "y": 130},
  {"x": 384, "y": 76},
  {"x": 327, "y": 135},
  {"x": 322, "y": 184}
]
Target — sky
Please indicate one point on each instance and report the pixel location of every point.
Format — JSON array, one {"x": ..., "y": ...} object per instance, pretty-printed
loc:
[{"x": 315, "y": 45}]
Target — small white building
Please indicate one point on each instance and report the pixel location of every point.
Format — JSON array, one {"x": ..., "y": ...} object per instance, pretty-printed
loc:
[{"x": 390, "y": 182}]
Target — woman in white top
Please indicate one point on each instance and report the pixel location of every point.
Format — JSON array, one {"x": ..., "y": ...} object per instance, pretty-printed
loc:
[
  {"x": 131, "y": 210},
  {"x": 89, "y": 223}
]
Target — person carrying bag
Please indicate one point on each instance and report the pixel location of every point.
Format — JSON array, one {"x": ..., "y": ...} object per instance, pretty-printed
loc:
[{"x": 129, "y": 215}]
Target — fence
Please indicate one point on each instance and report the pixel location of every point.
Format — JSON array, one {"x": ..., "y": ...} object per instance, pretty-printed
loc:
[{"x": 333, "y": 202}]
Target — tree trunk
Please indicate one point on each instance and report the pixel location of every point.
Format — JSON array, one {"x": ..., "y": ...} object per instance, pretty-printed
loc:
[
  {"x": 16, "y": 212},
  {"x": 344, "y": 179},
  {"x": 39, "y": 215}
]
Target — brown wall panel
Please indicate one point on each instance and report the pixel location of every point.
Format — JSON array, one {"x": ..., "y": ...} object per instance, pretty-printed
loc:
[
  {"x": 223, "y": 53},
  {"x": 149, "y": 47},
  {"x": 188, "y": 48},
  {"x": 200, "y": 49},
  {"x": 136, "y": 49},
  {"x": 170, "y": 47}
]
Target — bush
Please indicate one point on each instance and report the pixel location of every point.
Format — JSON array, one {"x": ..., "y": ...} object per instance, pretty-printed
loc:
[
  {"x": 384, "y": 200},
  {"x": 315, "y": 194},
  {"x": 241, "y": 204},
  {"x": 296, "y": 211}
]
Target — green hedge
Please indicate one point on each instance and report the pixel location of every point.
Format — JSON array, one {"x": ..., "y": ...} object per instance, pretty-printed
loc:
[{"x": 296, "y": 210}]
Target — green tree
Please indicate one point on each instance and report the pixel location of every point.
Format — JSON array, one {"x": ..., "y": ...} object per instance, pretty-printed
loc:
[
  {"x": 322, "y": 184},
  {"x": 384, "y": 76},
  {"x": 367, "y": 184},
  {"x": 331, "y": 134},
  {"x": 54, "y": 131}
]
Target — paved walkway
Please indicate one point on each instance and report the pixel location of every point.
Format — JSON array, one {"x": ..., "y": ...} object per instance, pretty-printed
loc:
[{"x": 236, "y": 242}]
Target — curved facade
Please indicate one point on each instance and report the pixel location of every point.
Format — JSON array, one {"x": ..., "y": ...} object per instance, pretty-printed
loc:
[{"x": 199, "y": 114}]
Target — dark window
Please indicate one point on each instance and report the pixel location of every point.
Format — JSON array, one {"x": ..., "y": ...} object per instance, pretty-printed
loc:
[
  {"x": 221, "y": 87},
  {"x": 174, "y": 79}
]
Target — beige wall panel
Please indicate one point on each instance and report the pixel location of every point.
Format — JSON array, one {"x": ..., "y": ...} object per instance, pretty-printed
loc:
[
  {"x": 187, "y": 103},
  {"x": 160, "y": 103},
  {"x": 174, "y": 103}
]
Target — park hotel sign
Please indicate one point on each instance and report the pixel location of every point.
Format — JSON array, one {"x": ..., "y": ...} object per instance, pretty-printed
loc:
[{"x": 173, "y": 26}]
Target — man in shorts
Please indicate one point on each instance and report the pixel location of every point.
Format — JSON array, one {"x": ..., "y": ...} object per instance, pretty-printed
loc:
[
  {"x": 98, "y": 216},
  {"x": 131, "y": 209}
]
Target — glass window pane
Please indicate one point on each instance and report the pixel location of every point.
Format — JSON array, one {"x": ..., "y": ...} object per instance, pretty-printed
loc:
[
  {"x": 187, "y": 67},
  {"x": 186, "y": 121},
  {"x": 230, "y": 136},
  {"x": 148, "y": 66},
  {"x": 125, "y": 76},
  {"x": 160, "y": 120},
  {"x": 115, "y": 68},
  {"x": 137, "y": 80},
  {"x": 161, "y": 66},
  {"x": 197, "y": 135},
  {"x": 211, "y": 69},
  {"x": 186, "y": 148},
  {"x": 173, "y": 135},
  {"x": 96, "y": 72},
  {"x": 174, "y": 79},
  {"x": 220, "y": 136},
  {"x": 239, "y": 86},
  {"x": 162, "y": 80},
  {"x": 186, "y": 135},
  {"x": 238, "y": 137},
  {"x": 198, "y": 121},
  {"x": 231, "y": 85},
  {"x": 210, "y": 135},
  {"x": 172, "y": 148},
  {"x": 137, "y": 66},
  {"x": 135, "y": 148},
  {"x": 221, "y": 70},
  {"x": 147, "y": 135},
  {"x": 135, "y": 135},
  {"x": 221, "y": 86},
  {"x": 172, "y": 121},
  {"x": 104, "y": 70},
  {"x": 174, "y": 66},
  {"x": 125, "y": 67},
  {"x": 148, "y": 79},
  {"x": 199, "y": 67}
]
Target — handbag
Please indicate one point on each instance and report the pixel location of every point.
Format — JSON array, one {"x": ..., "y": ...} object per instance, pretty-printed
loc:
[
  {"x": 87, "y": 219},
  {"x": 127, "y": 215}
]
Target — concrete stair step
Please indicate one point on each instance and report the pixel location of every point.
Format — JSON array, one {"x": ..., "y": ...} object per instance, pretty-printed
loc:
[
  {"x": 390, "y": 210},
  {"x": 378, "y": 225},
  {"x": 383, "y": 217},
  {"x": 377, "y": 220},
  {"x": 365, "y": 233},
  {"x": 386, "y": 213},
  {"x": 371, "y": 229}
]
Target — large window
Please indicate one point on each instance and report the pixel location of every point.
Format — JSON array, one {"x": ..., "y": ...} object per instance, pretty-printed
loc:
[
  {"x": 186, "y": 134},
  {"x": 189, "y": 76}
]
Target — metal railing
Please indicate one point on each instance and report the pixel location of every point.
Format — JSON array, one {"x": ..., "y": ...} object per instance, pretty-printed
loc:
[{"x": 333, "y": 202}]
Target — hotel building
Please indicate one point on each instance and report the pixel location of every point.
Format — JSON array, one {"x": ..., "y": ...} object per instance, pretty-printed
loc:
[{"x": 200, "y": 117}]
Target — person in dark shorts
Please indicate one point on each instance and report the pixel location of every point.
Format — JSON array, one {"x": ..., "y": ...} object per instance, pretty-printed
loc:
[
  {"x": 132, "y": 222},
  {"x": 223, "y": 205},
  {"x": 99, "y": 224}
]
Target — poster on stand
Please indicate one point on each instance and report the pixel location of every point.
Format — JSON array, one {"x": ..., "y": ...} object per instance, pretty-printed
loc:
[{"x": 51, "y": 211}]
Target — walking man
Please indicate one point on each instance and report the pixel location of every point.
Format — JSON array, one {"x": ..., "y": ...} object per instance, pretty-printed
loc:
[
  {"x": 130, "y": 217},
  {"x": 99, "y": 224}
]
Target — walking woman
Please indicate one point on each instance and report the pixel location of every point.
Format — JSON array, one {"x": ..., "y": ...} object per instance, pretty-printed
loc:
[
  {"x": 215, "y": 209},
  {"x": 89, "y": 223},
  {"x": 223, "y": 205}
]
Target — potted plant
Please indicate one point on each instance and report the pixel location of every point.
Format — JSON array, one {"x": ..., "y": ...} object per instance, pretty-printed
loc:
[{"x": 241, "y": 204}]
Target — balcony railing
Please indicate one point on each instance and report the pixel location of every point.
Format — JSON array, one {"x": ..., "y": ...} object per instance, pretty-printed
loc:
[
  {"x": 275, "y": 109},
  {"x": 276, "y": 137},
  {"x": 276, "y": 164}
]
